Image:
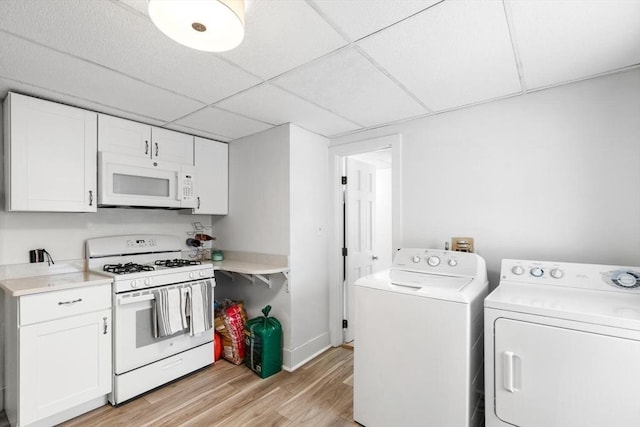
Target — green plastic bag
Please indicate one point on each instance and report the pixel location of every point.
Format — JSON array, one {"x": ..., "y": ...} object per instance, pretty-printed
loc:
[{"x": 263, "y": 339}]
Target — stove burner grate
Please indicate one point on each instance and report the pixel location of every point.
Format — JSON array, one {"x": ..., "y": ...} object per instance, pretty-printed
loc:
[
  {"x": 177, "y": 262},
  {"x": 130, "y": 267}
]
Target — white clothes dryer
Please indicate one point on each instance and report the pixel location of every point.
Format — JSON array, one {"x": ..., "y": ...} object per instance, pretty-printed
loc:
[
  {"x": 562, "y": 346},
  {"x": 418, "y": 341}
]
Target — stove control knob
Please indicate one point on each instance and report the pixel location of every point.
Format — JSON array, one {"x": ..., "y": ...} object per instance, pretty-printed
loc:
[
  {"x": 517, "y": 270},
  {"x": 452, "y": 262},
  {"x": 433, "y": 261},
  {"x": 415, "y": 259},
  {"x": 201, "y": 273},
  {"x": 191, "y": 275},
  {"x": 556, "y": 273},
  {"x": 147, "y": 281},
  {"x": 134, "y": 284},
  {"x": 537, "y": 272}
]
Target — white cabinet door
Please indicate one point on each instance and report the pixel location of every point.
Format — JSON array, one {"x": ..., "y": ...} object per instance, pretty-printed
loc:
[
  {"x": 63, "y": 363},
  {"x": 117, "y": 135},
  {"x": 212, "y": 177},
  {"x": 50, "y": 156},
  {"x": 556, "y": 377},
  {"x": 171, "y": 146}
]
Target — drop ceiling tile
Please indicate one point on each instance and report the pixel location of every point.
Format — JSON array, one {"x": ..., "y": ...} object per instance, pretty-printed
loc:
[
  {"x": 38, "y": 66},
  {"x": 455, "y": 53},
  {"x": 348, "y": 84},
  {"x": 359, "y": 18},
  {"x": 219, "y": 122},
  {"x": 119, "y": 37},
  {"x": 7, "y": 85},
  {"x": 563, "y": 40},
  {"x": 274, "y": 105},
  {"x": 281, "y": 35},
  {"x": 197, "y": 132}
]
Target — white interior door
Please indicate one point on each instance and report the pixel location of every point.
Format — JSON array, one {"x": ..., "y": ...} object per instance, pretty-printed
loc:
[{"x": 360, "y": 200}]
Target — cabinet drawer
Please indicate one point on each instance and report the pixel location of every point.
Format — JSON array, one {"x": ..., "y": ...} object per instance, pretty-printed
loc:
[{"x": 70, "y": 302}]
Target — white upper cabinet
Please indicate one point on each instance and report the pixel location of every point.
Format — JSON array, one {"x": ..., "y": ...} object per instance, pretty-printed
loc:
[
  {"x": 212, "y": 173},
  {"x": 50, "y": 156},
  {"x": 135, "y": 139}
]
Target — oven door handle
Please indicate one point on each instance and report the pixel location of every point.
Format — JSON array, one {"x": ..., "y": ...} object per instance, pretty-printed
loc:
[{"x": 134, "y": 300}]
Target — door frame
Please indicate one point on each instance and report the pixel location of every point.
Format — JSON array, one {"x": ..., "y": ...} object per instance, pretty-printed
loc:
[{"x": 337, "y": 153}]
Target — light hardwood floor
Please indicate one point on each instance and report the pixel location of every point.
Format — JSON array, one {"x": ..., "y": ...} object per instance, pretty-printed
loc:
[{"x": 320, "y": 393}]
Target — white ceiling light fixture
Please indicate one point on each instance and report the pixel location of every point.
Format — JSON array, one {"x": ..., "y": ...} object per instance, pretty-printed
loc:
[{"x": 208, "y": 25}]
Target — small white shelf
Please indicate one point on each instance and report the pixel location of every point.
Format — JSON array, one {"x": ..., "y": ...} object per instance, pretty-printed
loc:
[{"x": 253, "y": 267}]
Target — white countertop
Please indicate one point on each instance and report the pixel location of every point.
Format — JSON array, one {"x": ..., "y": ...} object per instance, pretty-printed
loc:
[{"x": 55, "y": 282}]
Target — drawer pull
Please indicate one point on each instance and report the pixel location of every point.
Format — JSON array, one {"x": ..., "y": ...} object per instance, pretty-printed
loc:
[
  {"x": 104, "y": 331},
  {"x": 69, "y": 302}
]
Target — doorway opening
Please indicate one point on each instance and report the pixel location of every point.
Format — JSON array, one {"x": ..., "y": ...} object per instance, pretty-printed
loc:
[
  {"x": 366, "y": 224},
  {"x": 363, "y": 232}
]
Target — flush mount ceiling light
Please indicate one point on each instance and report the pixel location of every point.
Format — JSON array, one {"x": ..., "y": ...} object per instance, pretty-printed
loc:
[{"x": 209, "y": 25}]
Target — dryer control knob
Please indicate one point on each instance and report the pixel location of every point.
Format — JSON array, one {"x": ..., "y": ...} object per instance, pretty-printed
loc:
[
  {"x": 537, "y": 272},
  {"x": 416, "y": 259},
  {"x": 517, "y": 270},
  {"x": 433, "y": 261},
  {"x": 556, "y": 273},
  {"x": 452, "y": 262}
]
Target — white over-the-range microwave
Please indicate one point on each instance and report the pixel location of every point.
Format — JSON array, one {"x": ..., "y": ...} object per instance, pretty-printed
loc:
[{"x": 139, "y": 182}]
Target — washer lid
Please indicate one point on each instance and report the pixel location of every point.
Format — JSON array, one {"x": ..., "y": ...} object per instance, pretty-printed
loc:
[
  {"x": 582, "y": 305},
  {"x": 449, "y": 288}
]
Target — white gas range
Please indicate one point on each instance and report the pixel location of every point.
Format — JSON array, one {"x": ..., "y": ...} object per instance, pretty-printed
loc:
[{"x": 142, "y": 265}]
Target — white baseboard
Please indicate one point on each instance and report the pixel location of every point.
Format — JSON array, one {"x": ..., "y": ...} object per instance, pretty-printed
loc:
[{"x": 294, "y": 358}]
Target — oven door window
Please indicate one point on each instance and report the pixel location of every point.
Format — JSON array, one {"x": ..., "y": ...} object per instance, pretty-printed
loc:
[{"x": 135, "y": 344}]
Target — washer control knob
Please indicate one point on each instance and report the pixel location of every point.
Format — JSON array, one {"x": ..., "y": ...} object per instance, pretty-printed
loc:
[
  {"x": 556, "y": 273},
  {"x": 517, "y": 270},
  {"x": 627, "y": 280},
  {"x": 416, "y": 259},
  {"x": 433, "y": 261},
  {"x": 147, "y": 281},
  {"x": 134, "y": 284},
  {"x": 452, "y": 262},
  {"x": 537, "y": 272}
]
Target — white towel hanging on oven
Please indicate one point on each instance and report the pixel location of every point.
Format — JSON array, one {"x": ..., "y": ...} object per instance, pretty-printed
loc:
[
  {"x": 201, "y": 318},
  {"x": 169, "y": 308}
]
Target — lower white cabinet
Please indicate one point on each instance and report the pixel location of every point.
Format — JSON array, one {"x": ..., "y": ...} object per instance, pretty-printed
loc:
[{"x": 62, "y": 366}]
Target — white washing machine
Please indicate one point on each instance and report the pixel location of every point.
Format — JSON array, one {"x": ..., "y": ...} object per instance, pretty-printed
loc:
[
  {"x": 418, "y": 341},
  {"x": 562, "y": 346}
]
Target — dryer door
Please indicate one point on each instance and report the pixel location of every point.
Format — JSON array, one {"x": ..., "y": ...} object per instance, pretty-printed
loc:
[{"x": 551, "y": 376}]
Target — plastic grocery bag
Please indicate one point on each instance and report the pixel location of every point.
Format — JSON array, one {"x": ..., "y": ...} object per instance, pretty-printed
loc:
[{"x": 263, "y": 344}]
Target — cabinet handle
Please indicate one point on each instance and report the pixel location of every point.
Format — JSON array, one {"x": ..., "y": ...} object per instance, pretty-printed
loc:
[
  {"x": 146, "y": 147},
  {"x": 69, "y": 302},
  {"x": 90, "y": 197},
  {"x": 156, "y": 149},
  {"x": 198, "y": 203},
  {"x": 104, "y": 330}
]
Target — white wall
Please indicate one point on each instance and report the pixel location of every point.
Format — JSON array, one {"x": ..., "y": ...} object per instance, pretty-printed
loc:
[
  {"x": 553, "y": 175},
  {"x": 277, "y": 205},
  {"x": 309, "y": 237},
  {"x": 258, "y": 219}
]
